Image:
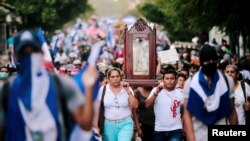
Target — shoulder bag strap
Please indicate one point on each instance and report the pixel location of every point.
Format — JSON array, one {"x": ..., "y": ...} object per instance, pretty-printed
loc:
[
  {"x": 225, "y": 77},
  {"x": 103, "y": 94},
  {"x": 243, "y": 89}
]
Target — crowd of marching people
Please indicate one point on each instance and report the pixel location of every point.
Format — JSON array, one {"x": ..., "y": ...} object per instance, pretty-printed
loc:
[{"x": 70, "y": 87}]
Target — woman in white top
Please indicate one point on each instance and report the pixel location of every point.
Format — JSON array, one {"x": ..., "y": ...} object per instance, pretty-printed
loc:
[
  {"x": 118, "y": 101},
  {"x": 240, "y": 104}
]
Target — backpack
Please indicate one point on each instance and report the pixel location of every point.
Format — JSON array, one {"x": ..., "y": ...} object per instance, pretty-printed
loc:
[
  {"x": 247, "y": 113},
  {"x": 65, "y": 122}
]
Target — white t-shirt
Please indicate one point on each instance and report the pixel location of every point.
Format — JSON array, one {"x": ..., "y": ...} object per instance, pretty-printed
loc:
[
  {"x": 167, "y": 109},
  {"x": 61, "y": 58},
  {"x": 239, "y": 101},
  {"x": 245, "y": 74},
  {"x": 115, "y": 107}
]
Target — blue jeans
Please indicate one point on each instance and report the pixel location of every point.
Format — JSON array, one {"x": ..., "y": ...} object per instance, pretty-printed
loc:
[
  {"x": 118, "y": 131},
  {"x": 175, "y": 135}
]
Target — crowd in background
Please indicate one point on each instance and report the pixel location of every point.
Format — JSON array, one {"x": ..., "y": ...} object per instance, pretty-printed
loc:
[{"x": 70, "y": 50}]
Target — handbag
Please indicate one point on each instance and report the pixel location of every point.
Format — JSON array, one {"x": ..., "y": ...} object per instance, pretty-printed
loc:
[
  {"x": 247, "y": 113},
  {"x": 101, "y": 112}
]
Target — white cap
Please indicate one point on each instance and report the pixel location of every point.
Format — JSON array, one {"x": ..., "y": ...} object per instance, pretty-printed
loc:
[{"x": 77, "y": 62}]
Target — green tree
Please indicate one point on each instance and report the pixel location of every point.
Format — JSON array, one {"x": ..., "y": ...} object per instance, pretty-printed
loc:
[
  {"x": 50, "y": 14},
  {"x": 199, "y": 16},
  {"x": 161, "y": 12}
]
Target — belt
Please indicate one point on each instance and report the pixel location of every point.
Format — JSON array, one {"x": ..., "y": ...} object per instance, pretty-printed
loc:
[{"x": 118, "y": 120}]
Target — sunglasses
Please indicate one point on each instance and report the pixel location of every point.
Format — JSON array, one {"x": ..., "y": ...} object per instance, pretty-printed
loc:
[{"x": 116, "y": 103}]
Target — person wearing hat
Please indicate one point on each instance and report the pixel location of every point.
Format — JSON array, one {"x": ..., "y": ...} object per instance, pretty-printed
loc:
[
  {"x": 31, "y": 101},
  {"x": 208, "y": 98},
  {"x": 77, "y": 63}
]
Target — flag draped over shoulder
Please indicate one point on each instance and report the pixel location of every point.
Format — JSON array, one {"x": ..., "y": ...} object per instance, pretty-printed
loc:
[
  {"x": 47, "y": 57},
  {"x": 29, "y": 105},
  {"x": 209, "y": 104},
  {"x": 92, "y": 60}
]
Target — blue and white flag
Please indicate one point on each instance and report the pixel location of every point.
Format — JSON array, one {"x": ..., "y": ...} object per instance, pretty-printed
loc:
[
  {"x": 209, "y": 104},
  {"x": 110, "y": 40},
  {"x": 92, "y": 60},
  {"x": 45, "y": 48},
  {"x": 31, "y": 102},
  {"x": 55, "y": 45}
]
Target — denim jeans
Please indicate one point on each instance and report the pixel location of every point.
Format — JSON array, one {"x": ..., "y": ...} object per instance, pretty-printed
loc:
[{"x": 175, "y": 135}]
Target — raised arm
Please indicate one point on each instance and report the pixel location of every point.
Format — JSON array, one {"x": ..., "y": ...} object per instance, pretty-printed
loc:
[
  {"x": 154, "y": 93},
  {"x": 84, "y": 114},
  {"x": 133, "y": 102}
]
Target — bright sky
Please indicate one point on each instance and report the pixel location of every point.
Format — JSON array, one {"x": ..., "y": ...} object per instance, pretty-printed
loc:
[{"x": 108, "y": 8}]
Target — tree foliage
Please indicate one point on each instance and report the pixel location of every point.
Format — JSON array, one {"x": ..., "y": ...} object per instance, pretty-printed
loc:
[
  {"x": 161, "y": 12},
  {"x": 50, "y": 14},
  {"x": 200, "y": 16}
]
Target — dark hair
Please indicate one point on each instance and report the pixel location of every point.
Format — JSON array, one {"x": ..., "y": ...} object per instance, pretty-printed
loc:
[
  {"x": 148, "y": 88},
  {"x": 117, "y": 65},
  {"x": 169, "y": 70},
  {"x": 222, "y": 66},
  {"x": 101, "y": 76},
  {"x": 182, "y": 75},
  {"x": 207, "y": 53},
  {"x": 240, "y": 77},
  {"x": 4, "y": 67},
  {"x": 166, "y": 67},
  {"x": 113, "y": 69}
]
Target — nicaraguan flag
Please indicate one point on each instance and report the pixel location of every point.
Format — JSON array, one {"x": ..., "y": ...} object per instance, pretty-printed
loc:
[
  {"x": 209, "y": 104},
  {"x": 45, "y": 48},
  {"x": 55, "y": 45},
  {"x": 92, "y": 60},
  {"x": 31, "y": 105},
  {"x": 110, "y": 40}
]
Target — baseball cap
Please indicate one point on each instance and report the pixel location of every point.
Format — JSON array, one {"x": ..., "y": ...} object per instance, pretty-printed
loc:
[
  {"x": 77, "y": 62},
  {"x": 25, "y": 38}
]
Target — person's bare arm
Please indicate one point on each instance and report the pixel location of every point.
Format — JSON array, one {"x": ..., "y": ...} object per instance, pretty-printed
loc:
[
  {"x": 150, "y": 101},
  {"x": 137, "y": 122},
  {"x": 133, "y": 102},
  {"x": 158, "y": 67},
  {"x": 96, "y": 114},
  {"x": 188, "y": 123},
  {"x": 84, "y": 114}
]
